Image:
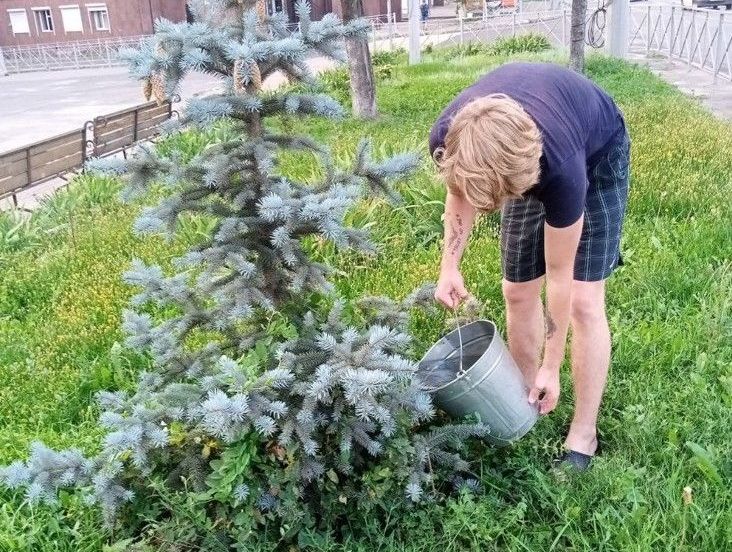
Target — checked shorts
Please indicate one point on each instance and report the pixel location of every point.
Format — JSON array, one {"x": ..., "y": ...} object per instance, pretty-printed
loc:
[{"x": 598, "y": 252}]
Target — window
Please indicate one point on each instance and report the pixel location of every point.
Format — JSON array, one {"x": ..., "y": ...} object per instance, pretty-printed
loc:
[
  {"x": 44, "y": 19},
  {"x": 71, "y": 18},
  {"x": 99, "y": 16},
  {"x": 19, "y": 22}
]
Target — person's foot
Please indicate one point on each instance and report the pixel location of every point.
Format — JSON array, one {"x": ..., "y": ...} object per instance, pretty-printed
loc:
[
  {"x": 582, "y": 439},
  {"x": 581, "y": 446},
  {"x": 573, "y": 459}
]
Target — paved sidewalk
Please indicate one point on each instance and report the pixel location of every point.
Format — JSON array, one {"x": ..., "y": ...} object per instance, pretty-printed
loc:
[{"x": 716, "y": 96}]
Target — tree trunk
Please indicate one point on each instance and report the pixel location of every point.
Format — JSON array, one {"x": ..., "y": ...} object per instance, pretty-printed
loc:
[
  {"x": 363, "y": 90},
  {"x": 577, "y": 36}
]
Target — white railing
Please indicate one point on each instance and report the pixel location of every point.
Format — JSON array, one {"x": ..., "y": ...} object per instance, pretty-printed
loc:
[
  {"x": 67, "y": 55},
  {"x": 701, "y": 38},
  {"x": 385, "y": 34},
  {"x": 388, "y": 34}
]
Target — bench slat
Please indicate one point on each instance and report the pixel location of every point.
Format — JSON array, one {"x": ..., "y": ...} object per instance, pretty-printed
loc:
[
  {"x": 74, "y": 137},
  {"x": 59, "y": 166},
  {"x": 13, "y": 183},
  {"x": 48, "y": 156},
  {"x": 11, "y": 157},
  {"x": 12, "y": 169},
  {"x": 105, "y": 126}
]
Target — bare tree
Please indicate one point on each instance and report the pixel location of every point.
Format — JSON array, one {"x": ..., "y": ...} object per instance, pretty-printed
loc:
[
  {"x": 577, "y": 36},
  {"x": 363, "y": 89}
]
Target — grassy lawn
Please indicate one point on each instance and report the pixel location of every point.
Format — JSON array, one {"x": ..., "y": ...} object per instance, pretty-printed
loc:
[{"x": 667, "y": 417}]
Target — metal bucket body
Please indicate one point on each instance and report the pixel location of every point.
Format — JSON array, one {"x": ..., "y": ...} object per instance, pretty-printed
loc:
[{"x": 491, "y": 387}]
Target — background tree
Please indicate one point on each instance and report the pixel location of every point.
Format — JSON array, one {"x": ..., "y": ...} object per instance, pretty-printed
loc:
[
  {"x": 363, "y": 87},
  {"x": 264, "y": 398},
  {"x": 577, "y": 35}
]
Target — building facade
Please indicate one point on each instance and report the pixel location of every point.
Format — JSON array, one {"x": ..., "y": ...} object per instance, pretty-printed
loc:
[
  {"x": 31, "y": 22},
  {"x": 321, "y": 7},
  {"x": 28, "y": 22}
]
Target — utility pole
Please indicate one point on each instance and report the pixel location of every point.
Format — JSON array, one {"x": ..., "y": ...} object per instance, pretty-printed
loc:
[
  {"x": 3, "y": 69},
  {"x": 618, "y": 28},
  {"x": 414, "y": 53}
]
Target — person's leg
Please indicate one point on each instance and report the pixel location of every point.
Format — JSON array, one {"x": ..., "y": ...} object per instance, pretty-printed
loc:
[
  {"x": 525, "y": 321},
  {"x": 522, "y": 264},
  {"x": 597, "y": 257},
  {"x": 590, "y": 362}
]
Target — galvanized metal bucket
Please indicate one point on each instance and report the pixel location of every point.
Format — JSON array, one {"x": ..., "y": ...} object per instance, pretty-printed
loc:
[{"x": 486, "y": 382}]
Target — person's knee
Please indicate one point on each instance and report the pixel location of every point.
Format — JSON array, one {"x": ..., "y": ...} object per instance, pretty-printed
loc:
[
  {"x": 587, "y": 309},
  {"x": 520, "y": 296}
]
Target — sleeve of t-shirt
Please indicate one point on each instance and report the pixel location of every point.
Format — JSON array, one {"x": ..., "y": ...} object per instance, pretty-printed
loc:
[
  {"x": 437, "y": 136},
  {"x": 566, "y": 191}
]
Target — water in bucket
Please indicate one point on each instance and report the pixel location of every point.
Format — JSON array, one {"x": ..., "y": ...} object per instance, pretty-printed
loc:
[
  {"x": 435, "y": 374},
  {"x": 489, "y": 385}
]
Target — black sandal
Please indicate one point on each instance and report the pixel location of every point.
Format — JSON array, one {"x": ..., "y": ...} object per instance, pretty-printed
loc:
[{"x": 577, "y": 460}]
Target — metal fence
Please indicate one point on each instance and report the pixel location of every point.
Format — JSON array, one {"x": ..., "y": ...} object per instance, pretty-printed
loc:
[
  {"x": 701, "y": 38},
  {"x": 386, "y": 34},
  {"x": 66, "y": 55}
]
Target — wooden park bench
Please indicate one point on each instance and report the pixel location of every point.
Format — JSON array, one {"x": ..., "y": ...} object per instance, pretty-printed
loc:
[{"x": 28, "y": 166}]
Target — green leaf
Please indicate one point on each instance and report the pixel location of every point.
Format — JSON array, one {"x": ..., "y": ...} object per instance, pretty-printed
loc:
[
  {"x": 119, "y": 546},
  {"x": 704, "y": 462}
]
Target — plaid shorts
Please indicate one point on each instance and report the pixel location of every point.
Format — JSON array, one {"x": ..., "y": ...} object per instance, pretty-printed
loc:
[{"x": 598, "y": 252}]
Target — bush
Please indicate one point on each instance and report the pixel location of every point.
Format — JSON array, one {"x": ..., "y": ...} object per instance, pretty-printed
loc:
[
  {"x": 528, "y": 43},
  {"x": 509, "y": 46},
  {"x": 386, "y": 57},
  {"x": 268, "y": 401}
]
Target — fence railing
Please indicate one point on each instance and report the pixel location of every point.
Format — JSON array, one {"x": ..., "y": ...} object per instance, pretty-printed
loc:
[
  {"x": 386, "y": 34},
  {"x": 26, "y": 167},
  {"x": 701, "y": 38},
  {"x": 67, "y": 55}
]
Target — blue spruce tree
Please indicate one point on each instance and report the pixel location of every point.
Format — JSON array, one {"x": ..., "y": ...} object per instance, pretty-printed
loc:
[{"x": 268, "y": 399}]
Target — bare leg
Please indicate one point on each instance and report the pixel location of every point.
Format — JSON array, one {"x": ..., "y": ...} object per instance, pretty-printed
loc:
[
  {"x": 525, "y": 320},
  {"x": 590, "y": 362}
]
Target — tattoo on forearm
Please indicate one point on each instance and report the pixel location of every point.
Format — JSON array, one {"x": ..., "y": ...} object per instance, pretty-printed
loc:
[
  {"x": 456, "y": 235},
  {"x": 551, "y": 327}
]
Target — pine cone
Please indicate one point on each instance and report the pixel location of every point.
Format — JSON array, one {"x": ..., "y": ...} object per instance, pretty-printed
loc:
[
  {"x": 256, "y": 78},
  {"x": 147, "y": 89},
  {"x": 261, "y": 10},
  {"x": 158, "y": 88},
  {"x": 238, "y": 85}
]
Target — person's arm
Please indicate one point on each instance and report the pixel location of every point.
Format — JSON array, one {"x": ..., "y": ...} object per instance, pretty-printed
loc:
[
  {"x": 562, "y": 230},
  {"x": 560, "y": 248},
  {"x": 458, "y": 221}
]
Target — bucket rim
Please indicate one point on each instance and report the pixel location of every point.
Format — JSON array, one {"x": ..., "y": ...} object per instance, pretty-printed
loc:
[{"x": 492, "y": 324}]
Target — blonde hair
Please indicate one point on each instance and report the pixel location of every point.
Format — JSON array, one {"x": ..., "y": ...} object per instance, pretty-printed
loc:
[{"x": 491, "y": 153}]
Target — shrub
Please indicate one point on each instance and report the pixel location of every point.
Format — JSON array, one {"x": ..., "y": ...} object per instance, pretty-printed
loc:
[
  {"x": 531, "y": 43},
  {"x": 507, "y": 46},
  {"x": 268, "y": 400}
]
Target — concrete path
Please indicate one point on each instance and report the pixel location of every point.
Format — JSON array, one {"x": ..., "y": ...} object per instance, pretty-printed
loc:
[{"x": 716, "y": 96}]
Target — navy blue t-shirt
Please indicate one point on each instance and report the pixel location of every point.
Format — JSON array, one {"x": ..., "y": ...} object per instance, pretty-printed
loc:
[{"x": 577, "y": 121}]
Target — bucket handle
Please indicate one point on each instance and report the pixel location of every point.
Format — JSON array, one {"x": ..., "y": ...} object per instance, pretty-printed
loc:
[{"x": 461, "y": 371}]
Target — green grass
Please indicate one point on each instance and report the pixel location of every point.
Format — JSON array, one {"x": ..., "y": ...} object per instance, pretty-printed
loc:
[{"x": 667, "y": 417}]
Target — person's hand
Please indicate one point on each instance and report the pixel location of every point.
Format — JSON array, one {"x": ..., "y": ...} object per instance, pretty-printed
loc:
[
  {"x": 545, "y": 390},
  {"x": 450, "y": 289}
]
